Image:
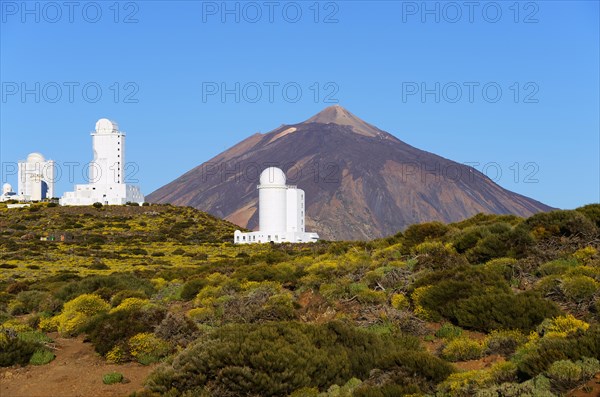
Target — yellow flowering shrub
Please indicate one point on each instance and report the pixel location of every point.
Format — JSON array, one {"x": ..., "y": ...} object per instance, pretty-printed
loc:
[
  {"x": 503, "y": 371},
  {"x": 400, "y": 302},
  {"x": 269, "y": 286},
  {"x": 49, "y": 324},
  {"x": 584, "y": 255},
  {"x": 116, "y": 355},
  {"x": 217, "y": 279},
  {"x": 77, "y": 311},
  {"x": 460, "y": 349},
  {"x": 419, "y": 310},
  {"x": 159, "y": 283},
  {"x": 323, "y": 269},
  {"x": 131, "y": 304},
  {"x": 466, "y": 383},
  {"x": 15, "y": 325},
  {"x": 211, "y": 297},
  {"x": 147, "y": 348},
  {"x": 562, "y": 326},
  {"x": 86, "y": 304},
  {"x": 201, "y": 314}
]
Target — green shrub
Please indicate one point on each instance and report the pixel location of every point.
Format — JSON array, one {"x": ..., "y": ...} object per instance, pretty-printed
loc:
[
  {"x": 37, "y": 301},
  {"x": 437, "y": 256},
  {"x": 177, "y": 329},
  {"x": 558, "y": 266},
  {"x": 419, "y": 233},
  {"x": 592, "y": 212},
  {"x": 98, "y": 265},
  {"x": 537, "y": 358},
  {"x": 387, "y": 390},
  {"x": 34, "y": 336},
  {"x": 105, "y": 286},
  {"x": 414, "y": 362},
  {"x": 366, "y": 295},
  {"x": 192, "y": 287},
  {"x": 41, "y": 357},
  {"x": 281, "y": 272},
  {"x": 273, "y": 359},
  {"x": 448, "y": 331},
  {"x": 97, "y": 205},
  {"x": 504, "y": 342},
  {"x": 112, "y": 378},
  {"x": 490, "y": 247},
  {"x": 579, "y": 288},
  {"x": 111, "y": 329},
  {"x": 566, "y": 374},
  {"x": 14, "y": 351},
  {"x": 461, "y": 349},
  {"x": 505, "y": 267},
  {"x": 522, "y": 311},
  {"x": 469, "y": 237},
  {"x": 559, "y": 223},
  {"x": 472, "y": 297}
]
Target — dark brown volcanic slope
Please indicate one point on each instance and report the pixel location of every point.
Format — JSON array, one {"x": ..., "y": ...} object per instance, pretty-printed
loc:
[{"x": 360, "y": 181}]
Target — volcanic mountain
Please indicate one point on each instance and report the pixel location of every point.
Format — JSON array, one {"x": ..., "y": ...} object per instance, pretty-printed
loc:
[{"x": 360, "y": 182}]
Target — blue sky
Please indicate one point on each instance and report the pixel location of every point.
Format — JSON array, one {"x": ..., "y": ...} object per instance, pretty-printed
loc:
[{"x": 156, "y": 63}]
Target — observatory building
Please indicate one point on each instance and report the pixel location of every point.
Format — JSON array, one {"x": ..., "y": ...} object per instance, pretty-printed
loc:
[
  {"x": 36, "y": 178},
  {"x": 106, "y": 172},
  {"x": 7, "y": 193},
  {"x": 281, "y": 212}
]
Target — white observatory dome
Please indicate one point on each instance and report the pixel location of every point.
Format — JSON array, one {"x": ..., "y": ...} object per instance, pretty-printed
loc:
[
  {"x": 35, "y": 158},
  {"x": 105, "y": 126},
  {"x": 272, "y": 176},
  {"x": 6, "y": 188}
]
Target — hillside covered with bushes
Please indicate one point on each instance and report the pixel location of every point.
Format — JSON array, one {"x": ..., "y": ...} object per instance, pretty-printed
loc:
[{"x": 491, "y": 306}]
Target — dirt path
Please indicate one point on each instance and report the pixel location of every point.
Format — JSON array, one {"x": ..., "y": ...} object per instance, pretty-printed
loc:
[
  {"x": 590, "y": 389},
  {"x": 75, "y": 372}
]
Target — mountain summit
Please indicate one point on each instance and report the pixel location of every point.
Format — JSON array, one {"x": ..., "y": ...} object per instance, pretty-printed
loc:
[
  {"x": 360, "y": 182},
  {"x": 340, "y": 116}
]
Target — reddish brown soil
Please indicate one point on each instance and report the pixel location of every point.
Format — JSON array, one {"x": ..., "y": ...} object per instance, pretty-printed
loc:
[
  {"x": 590, "y": 389},
  {"x": 75, "y": 372}
]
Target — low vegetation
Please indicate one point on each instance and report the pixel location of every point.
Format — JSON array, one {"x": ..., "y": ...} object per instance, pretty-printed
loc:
[{"x": 164, "y": 286}]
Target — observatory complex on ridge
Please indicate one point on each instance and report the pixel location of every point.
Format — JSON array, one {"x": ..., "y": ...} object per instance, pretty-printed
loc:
[
  {"x": 281, "y": 212},
  {"x": 107, "y": 171}
]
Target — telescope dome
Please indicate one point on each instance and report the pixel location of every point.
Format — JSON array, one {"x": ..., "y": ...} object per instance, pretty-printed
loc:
[{"x": 272, "y": 176}]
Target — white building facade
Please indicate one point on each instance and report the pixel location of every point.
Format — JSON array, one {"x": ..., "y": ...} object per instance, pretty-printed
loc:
[
  {"x": 36, "y": 178},
  {"x": 106, "y": 171},
  {"x": 280, "y": 212}
]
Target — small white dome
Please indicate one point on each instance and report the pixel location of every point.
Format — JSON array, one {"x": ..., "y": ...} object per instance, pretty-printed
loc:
[
  {"x": 35, "y": 158},
  {"x": 105, "y": 126},
  {"x": 272, "y": 176},
  {"x": 6, "y": 188}
]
